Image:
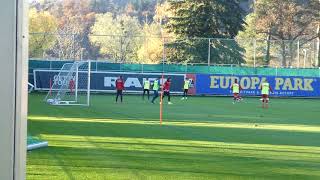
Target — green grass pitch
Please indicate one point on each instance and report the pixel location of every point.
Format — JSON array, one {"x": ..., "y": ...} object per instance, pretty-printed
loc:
[{"x": 201, "y": 138}]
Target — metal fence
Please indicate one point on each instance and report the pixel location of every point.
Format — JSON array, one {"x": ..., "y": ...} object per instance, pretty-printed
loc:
[
  {"x": 105, "y": 66},
  {"x": 154, "y": 50},
  {"x": 100, "y": 66}
]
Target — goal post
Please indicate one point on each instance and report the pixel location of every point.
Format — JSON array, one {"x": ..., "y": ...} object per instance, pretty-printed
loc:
[
  {"x": 89, "y": 83},
  {"x": 71, "y": 86}
]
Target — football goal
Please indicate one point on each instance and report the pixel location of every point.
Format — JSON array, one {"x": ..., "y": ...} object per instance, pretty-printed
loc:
[{"x": 71, "y": 86}]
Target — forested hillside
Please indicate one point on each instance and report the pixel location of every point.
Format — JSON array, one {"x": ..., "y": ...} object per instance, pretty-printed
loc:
[{"x": 138, "y": 31}]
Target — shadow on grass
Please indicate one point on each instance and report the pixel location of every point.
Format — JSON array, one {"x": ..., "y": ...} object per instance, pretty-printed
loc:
[
  {"x": 235, "y": 135},
  {"x": 70, "y": 158},
  {"x": 195, "y": 149}
]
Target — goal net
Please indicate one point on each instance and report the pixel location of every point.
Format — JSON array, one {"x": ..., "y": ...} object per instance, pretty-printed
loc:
[{"x": 71, "y": 86}]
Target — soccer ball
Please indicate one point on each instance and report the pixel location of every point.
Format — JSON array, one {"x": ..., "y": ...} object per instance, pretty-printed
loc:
[
  {"x": 56, "y": 102},
  {"x": 50, "y": 101}
]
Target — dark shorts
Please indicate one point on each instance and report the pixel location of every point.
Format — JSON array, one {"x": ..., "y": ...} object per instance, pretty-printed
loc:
[
  {"x": 235, "y": 94},
  {"x": 155, "y": 92},
  {"x": 265, "y": 96}
]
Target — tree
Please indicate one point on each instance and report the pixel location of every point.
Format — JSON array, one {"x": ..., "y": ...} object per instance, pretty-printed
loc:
[
  {"x": 318, "y": 43},
  {"x": 162, "y": 13},
  {"x": 41, "y": 26},
  {"x": 145, "y": 9},
  {"x": 142, "y": 9},
  {"x": 151, "y": 51},
  {"x": 194, "y": 19},
  {"x": 119, "y": 38},
  {"x": 103, "y": 6},
  {"x": 287, "y": 21},
  {"x": 42, "y": 5},
  {"x": 75, "y": 19},
  {"x": 256, "y": 45}
]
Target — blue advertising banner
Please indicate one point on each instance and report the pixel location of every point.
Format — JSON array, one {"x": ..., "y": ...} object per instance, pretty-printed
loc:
[
  {"x": 105, "y": 81},
  {"x": 281, "y": 85}
]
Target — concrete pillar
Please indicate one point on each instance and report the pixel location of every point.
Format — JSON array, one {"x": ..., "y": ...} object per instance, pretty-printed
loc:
[{"x": 13, "y": 91}]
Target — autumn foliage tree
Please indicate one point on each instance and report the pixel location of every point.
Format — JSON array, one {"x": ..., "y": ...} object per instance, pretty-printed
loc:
[
  {"x": 119, "y": 38},
  {"x": 287, "y": 21},
  {"x": 75, "y": 20},
  {"x": 41, "y": 24},
  {"x": 151, "y": 51}
]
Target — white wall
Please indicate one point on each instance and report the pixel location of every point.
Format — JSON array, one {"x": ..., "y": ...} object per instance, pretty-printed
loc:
[{"x": 13, "y": 94}]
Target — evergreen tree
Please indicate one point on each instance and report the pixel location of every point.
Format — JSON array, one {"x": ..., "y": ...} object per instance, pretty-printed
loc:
[
  {"x": 103, "y": 6},
  {"x": 196, "y": 19}
]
